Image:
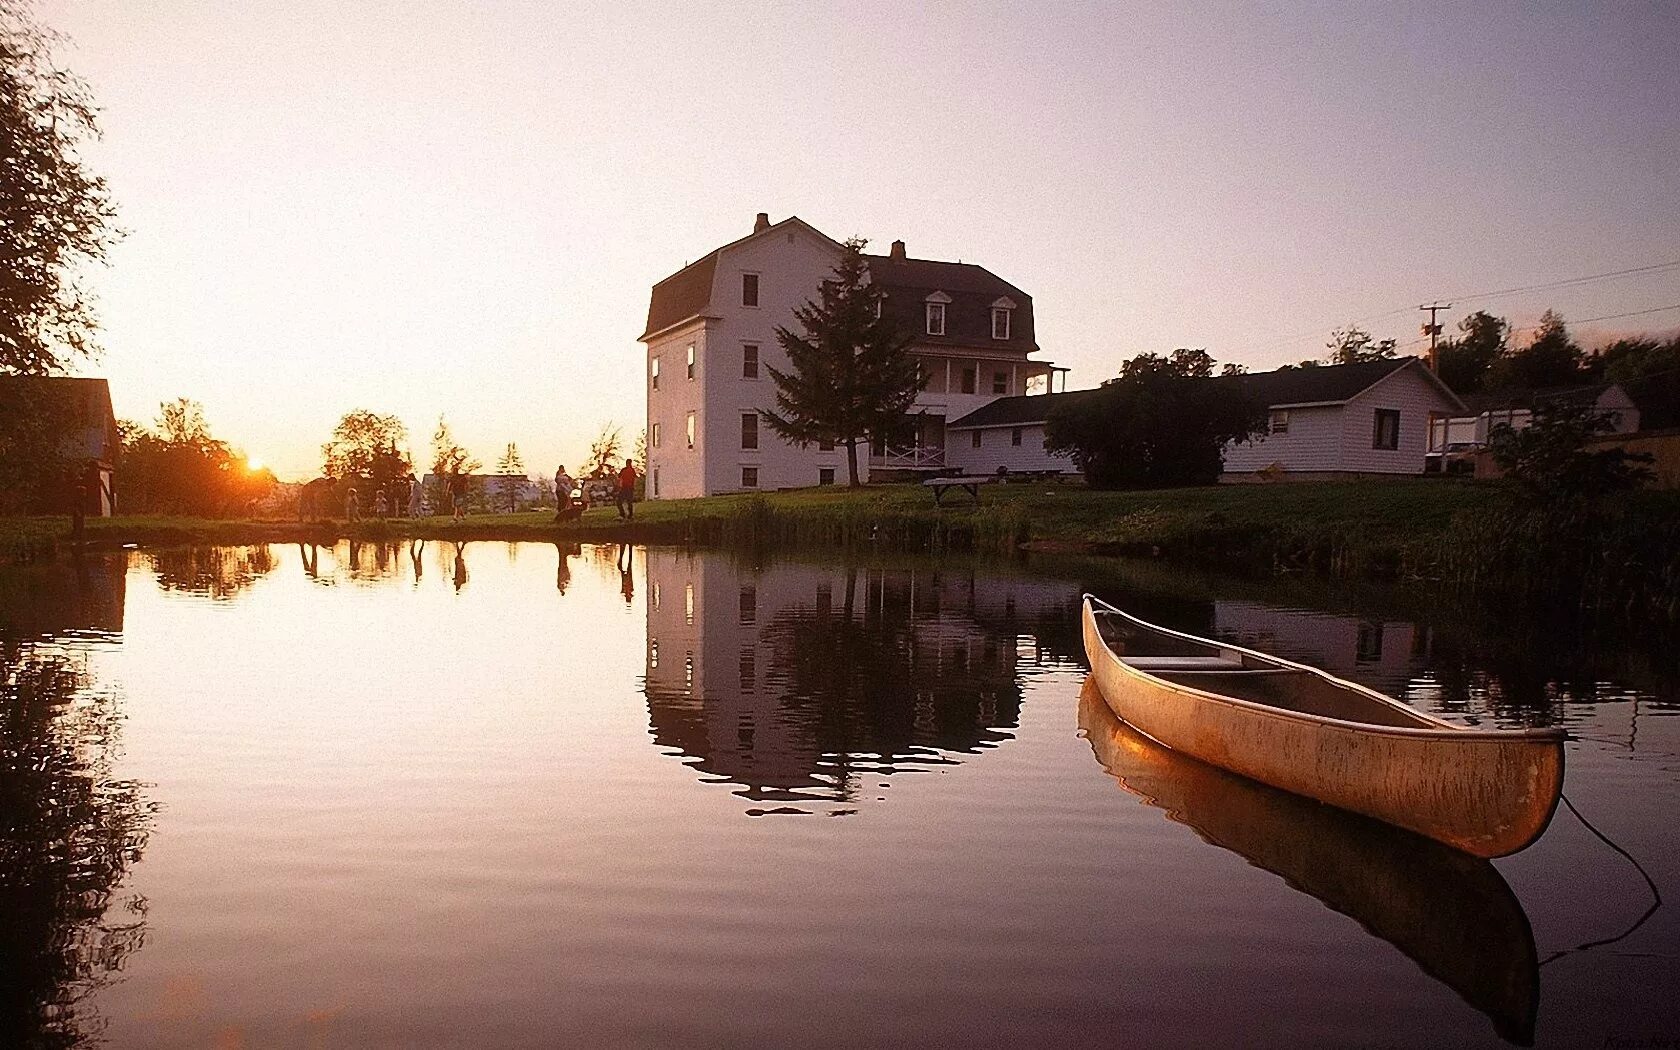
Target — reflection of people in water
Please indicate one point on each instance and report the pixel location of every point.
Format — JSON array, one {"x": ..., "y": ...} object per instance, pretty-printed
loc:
[
  {"x": 417, "y": 548},
  {"x": 626, "y": 585},
  {"x": 355, "y": 556},
  {"x": 311, "y": 555},
  {"x": 563, "y": 571},
  {"x": 460, "y": 564}
]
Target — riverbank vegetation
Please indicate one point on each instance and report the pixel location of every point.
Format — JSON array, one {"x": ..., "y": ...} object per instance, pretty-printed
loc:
[{"x": 1466, "y": 535}]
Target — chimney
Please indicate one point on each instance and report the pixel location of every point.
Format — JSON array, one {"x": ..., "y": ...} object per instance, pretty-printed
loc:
[
  {"x": 898, "y": 250},
  {"x": 762, "y": 222}
]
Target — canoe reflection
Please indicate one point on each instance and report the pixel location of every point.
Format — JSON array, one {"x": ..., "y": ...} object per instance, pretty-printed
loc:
[{"x": 1451, "y": 913}]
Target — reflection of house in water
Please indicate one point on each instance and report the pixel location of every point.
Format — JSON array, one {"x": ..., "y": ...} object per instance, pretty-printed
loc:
[
  {"x": 795, "y": 681},
  {"x": 1384, "y": 655},
  {"x": 81, "y": 595}
]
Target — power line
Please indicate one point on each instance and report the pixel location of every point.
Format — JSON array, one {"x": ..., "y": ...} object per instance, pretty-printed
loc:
[{"x": 1611, "y": 275}]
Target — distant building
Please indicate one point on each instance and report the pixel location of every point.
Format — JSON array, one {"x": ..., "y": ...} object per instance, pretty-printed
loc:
[
  {"x": 82, "y": 477},
  {"x": 1485, "y": 412},
  {"x": 1331, "y": 421},
  {"x": 488, "y": 490},
  {"x": 711, "y": 340}
]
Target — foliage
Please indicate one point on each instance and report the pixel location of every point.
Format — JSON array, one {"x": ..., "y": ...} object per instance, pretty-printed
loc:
[
  {"x": 364, "y": 445},
  {"x": 1649, "y": 370},
  {"x": 603, "y": 451},
  {"x": 55, "y": 215},
  {"x": 1163, "y": 422},
  {"x": 35, "y": 416},
  {"x": 851, "y": 374},
  {"x": 1353, "y": 345},
  {"x": 181, "y": 468},
  {"x": 1550, "y": 461},
  {"x": 1551, "y": 359},
  {"x": 1463, "y": 363},
  {"x": 448, "y": 457},
  {"x": 512, "y": 470}
]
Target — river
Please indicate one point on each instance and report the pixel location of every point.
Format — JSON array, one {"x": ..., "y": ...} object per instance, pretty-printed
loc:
[{"x": 539, "y": 795}]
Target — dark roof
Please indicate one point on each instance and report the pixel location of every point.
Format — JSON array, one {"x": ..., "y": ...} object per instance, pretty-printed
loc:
[
  {"x": 1325, "y": 384},
  {"x": 968, "y": 318},
  {"x": 89, "y": 399},
  {"x": 682, "y": 295},
  {"x": 1020, "y": 410},
  {"x": 1525, "y": 397}
]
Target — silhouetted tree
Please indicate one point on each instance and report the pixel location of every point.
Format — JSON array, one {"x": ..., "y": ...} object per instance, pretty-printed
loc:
[
  {"x": 179, "y": 467},
  {"x": 1164, "y": 421},
  {"x": 1551, "y": 462},
  {"x": 512, "y": 470},
  {"x": 1551, "y": 359},
  {"x": 604, "y": 451},
  {"x": 852, "y": 374},
  {"x": 1463, "y": 362},
  {"x": 55, "y": 215},
  {"x": 1353, "y": 345}
]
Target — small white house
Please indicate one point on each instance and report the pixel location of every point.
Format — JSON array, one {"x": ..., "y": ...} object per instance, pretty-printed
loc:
[
  {"x": 1336, "y": 421},
  {"x": 1325, "y": 422},
  {"x": 1486, "y": 412}
]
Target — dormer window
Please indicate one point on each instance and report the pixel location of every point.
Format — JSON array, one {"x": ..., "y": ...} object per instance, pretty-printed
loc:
[
  {"x": 936, "y": 304},
  {"x": 1002, "y": 312}
]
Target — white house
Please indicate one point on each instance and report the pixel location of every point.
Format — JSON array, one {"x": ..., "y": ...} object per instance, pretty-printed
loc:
[
  {"x": 1341, "y": 420},
  {"x": 711, "y": 339},
  {"x": 1471, "y": 429},
  {"x": 1324, "y": 422}
]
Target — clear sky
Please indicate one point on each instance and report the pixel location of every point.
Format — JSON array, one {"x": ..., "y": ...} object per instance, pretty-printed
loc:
[{"x": 423, "y": 207}]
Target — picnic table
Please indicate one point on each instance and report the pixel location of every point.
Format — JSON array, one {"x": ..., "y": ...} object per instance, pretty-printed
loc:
[{"x": 969, "y": 483}]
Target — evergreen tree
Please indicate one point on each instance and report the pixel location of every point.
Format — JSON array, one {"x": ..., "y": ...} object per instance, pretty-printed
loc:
[
  {"x": 512, "y": 470},
  {"x": 852, "y": 374}
]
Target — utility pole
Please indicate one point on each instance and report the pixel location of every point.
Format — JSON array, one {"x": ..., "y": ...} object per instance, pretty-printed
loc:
[{"x": 1433, "y": 330}]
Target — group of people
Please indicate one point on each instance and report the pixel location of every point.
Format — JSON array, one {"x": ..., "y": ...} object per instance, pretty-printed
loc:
[
  {"x": 400, "y": 496},
  {"x": 566, "y": 508}
]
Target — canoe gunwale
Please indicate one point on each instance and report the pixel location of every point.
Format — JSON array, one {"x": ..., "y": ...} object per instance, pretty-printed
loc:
[{"x": 1439, "y": 730}]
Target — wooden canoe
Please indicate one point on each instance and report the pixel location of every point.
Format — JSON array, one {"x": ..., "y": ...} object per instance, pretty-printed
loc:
[
  {"x": 1488, "y": 792},
  {"x": 1451, "y": 913}
]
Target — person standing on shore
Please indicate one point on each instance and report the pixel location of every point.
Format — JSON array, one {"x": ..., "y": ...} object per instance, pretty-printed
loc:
[
  {"x": 563, "y": 485},
  {"x": 627, "y": 491},
  {"x": 457, "y": 496}
]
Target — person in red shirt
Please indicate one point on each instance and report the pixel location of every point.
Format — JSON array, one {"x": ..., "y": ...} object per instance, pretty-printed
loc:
[{"x": 627, "y": 491}]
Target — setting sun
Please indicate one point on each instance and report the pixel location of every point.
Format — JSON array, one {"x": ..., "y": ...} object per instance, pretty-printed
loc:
[{"x": 253, "y": 463}]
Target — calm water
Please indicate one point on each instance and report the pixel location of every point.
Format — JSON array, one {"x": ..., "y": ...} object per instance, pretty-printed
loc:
[{"x": 524, "y": 795}]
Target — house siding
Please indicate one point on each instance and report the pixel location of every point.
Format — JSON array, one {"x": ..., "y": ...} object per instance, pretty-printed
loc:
[
  {"x": 997, "y": 450},
  {"x": 1313, "y": 443},
  {"x": 1415, "y": 396}
]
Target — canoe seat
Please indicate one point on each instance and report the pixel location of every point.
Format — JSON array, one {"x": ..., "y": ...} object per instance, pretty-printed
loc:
[{"x": 1182, "y": 663}]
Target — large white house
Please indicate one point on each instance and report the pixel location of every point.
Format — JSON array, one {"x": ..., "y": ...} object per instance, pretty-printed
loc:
[
  {"x": 711, "y": 339},
  {"x": 1324, "y": 422}
]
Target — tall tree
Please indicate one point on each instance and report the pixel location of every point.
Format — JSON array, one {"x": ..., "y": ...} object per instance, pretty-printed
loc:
[
  {"x": 1463, "y": 362},
  {"x": 449, "y": 457},
  {"x": 55, "y": 214},
  {"x": 1165, "y": 421},
  {"x": 1353, "y": 345},
  {"x": 1551, "y": 359},
  {"x": 365, "y": 444},
  {"x": 603, "y": 451},
  {"x": 512, "y": 470},
  {"x": 852, "y": 374},
  {"x": 178, "y": 466}
]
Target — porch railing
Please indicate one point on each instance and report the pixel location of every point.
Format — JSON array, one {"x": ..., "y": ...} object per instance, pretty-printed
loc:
[{"x": 910, "y": 457}]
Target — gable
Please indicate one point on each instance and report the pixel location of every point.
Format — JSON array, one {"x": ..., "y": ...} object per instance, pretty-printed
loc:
[{"x": 687, "y": 293}]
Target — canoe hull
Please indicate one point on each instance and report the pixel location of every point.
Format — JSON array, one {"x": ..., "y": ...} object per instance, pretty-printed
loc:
[{"x": 1489, "y": 793}]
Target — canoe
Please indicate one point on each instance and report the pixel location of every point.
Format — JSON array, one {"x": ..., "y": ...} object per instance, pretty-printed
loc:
[
  {"x": 1488, "y": 792},
  {"x": 1452, "y": 914}
]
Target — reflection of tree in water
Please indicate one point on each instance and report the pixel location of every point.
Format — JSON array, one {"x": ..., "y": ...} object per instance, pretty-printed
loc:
[
  {"x": 219, "y": 572},
  {"x": 69, "y": 831}
]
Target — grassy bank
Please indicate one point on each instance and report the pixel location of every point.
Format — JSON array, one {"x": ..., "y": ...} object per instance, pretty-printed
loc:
[{"x": 1459, "y": 532}]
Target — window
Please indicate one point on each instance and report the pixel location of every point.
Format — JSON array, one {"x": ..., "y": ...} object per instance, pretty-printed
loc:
[
  {"x": 935, "y": 318},
  {"x": 656, "y": 482},
  {"x": 691, "y": 360},
  {"x": 749, "y": 603},
  {"x": 749, "y": 430},
  {"x": 749, "y": 289},
  {"x": 654, "y": 368},
  {"x": 749, "y": 361},
  {"x": 654, "y": 434},
  {"x": 825, "y": 475},
  {"x": 1385, "y": 429},
  {"x": 691, "y": 430},
  {"x": 1000, "y": 382},
  {"x": 1015, "y": 437},
  {"x": 1000, "y": 323},
  {"x": 1280, "y": 421},
  {"x": 969, "y": 377},
  {"x": 749, "y": 672},
  {"x": 974, "y": 439},
  {"x": 749, "y": 477}
]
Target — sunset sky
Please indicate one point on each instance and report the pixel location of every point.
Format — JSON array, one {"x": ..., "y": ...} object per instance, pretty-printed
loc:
[{"x": 422, "y": 207}]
